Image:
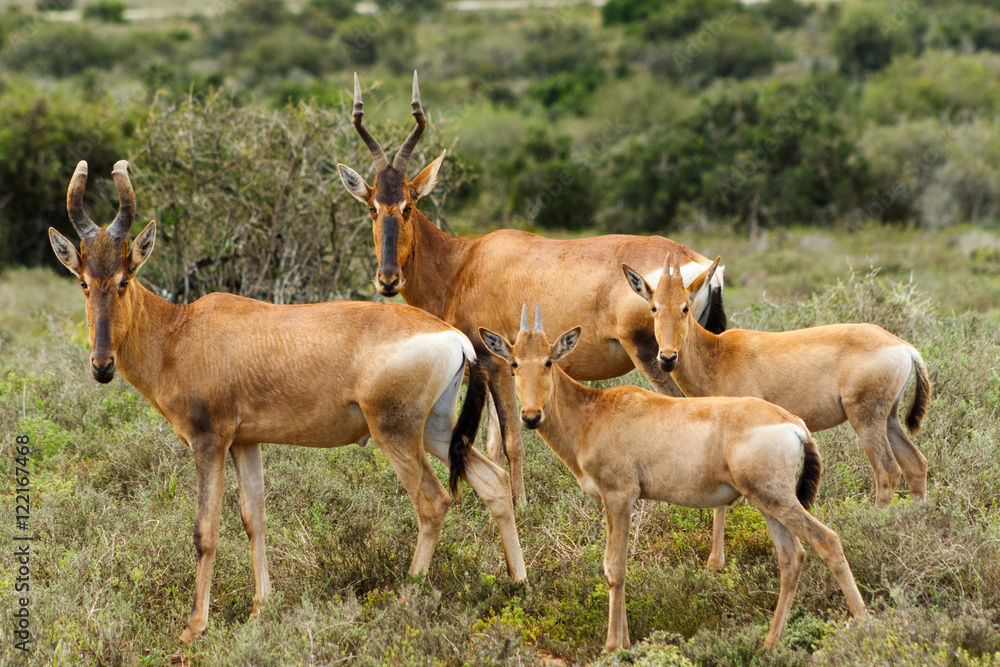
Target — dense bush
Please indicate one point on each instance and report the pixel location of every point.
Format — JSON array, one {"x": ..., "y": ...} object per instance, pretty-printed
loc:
[
  {"x": 62, "y": 50},
  {"x": 108, "y": 11},
  {"x": 781, "y": 143},
  {"x": 42, "y": 137},
  {"x": 784, "y": 14},
  {"x": 249, "y": 201},
  {"x": 934, "y": 85},
  {"x": 547, "y": 187},
  {"x": 869, "y": 34},
  {"x": 737, "y": 48}
]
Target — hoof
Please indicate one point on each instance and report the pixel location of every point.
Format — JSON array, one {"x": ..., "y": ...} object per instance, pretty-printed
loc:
[
  {"x": 189, "y": 636},
  {"x": 715, "y": 564}
]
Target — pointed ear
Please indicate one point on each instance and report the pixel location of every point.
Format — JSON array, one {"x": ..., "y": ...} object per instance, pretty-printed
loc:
[
  {"x": 638, "y": 283},
  {"x": 66, "y": 252},
  {"x": 496, "y": 344},
  {"x": 142, "y": 247},
  {"x": 355, "y": 184},
  {"x": 424, "y": 182},
  {"x": 565, "y": 344}
]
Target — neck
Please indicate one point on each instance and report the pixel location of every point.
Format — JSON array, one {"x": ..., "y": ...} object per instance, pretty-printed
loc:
[
  {"x": 140, "y": 355},
  {"x": 566, "y": 416},
  {"x": 434, "y": 261},
  {"x": 697, "y": 361}
]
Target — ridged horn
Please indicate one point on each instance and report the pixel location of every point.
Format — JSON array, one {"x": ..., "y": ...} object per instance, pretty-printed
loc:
[
  {"x": 84, "y": 226},
  {"x": 524, "y": 317},
  {"x": 403, "y": 155},
  {"x": 122, "y": 224},
  {"x": 381, "y": 161},
  {"x": 538, "y": 316}
]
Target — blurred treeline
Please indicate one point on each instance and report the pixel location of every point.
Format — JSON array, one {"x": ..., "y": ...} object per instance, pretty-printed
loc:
[{"x": 643, "y": 116}]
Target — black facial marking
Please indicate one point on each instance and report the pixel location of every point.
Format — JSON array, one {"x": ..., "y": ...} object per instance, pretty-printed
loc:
[{"x": 390, "y": 238}]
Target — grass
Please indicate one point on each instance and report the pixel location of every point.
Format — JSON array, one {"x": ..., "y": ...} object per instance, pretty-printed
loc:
[{"x": 113, "y": 494}]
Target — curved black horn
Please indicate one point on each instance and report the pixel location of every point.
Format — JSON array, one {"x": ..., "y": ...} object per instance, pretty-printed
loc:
[
  {"x": 120, "y": 226},
  {"x": 85, "y": 227},
  {"x": 403, "y": 156},
  {"x": 381, "y": 161}
]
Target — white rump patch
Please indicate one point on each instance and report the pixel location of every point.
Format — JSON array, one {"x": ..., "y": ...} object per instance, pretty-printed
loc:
[{"x": 689, "y": 272}]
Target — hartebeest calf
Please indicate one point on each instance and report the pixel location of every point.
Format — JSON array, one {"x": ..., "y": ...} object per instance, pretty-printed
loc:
[
  {"x": 625, "y": 443},
  {"x": 472, "y": 283},
  {"x": 229, "y": 373},
  {"x": 826, "y": 375}
]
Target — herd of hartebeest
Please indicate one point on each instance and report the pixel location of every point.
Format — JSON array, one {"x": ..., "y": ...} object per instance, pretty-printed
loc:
[{"x": 230, "y": 373}]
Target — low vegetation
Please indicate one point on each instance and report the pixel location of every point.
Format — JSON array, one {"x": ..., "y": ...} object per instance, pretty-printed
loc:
[{"x": 113, "y": 502}]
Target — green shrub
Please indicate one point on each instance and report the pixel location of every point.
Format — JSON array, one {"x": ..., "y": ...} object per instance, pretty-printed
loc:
[
  {"x": 785, "y": 14},
  {"x": 547, "y": 188},
  {"x": 680, "y": 18},
  {"x": 869, "y": 34},
  {"x": 738, "y": 48},
  {"x": 42, "y": 137},
  {"x": 54, "y": 5},
  {"x": 108, "y": 11},
  {"x": 631, "y": 11},
  {"x": 249, "y": 201},
  {"x": 935, "y": 85},
  {"x": 64, "y": 49}
]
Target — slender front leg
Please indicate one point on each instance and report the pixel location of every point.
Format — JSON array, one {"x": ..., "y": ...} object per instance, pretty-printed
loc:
[
  {"x": 250, "y": 475},
  {"x": 504, "y": 402},
  {"x": 210, "y": 467},
  {"x": 717, "y": 557},
  {"x": 618, "y": 510}
]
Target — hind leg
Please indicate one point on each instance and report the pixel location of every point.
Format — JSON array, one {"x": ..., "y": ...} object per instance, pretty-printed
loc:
[
  {"x": 870, "y": 425},
  {"x": 503, "y": 402},
  {"x": 717, "y": 557},
  {"x": 488, "y": 480},
  {"x": 405, "y": 451},
  {"x": 803, "y": 525},
  {"x": 913, "y": 463},
  {"x": 790, "y": 558},
  {"x": 250, "y": 475}
]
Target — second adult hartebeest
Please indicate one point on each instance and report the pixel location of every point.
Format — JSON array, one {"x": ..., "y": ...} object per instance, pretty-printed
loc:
[
  {"x": 473, "y": 283},
  {"x": 229, "y": 373},
  {"x": 625, "y": 443},
  {"x": 826, "y": 375}
]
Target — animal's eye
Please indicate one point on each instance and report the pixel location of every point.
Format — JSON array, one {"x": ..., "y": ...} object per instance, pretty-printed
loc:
[
  {"x": 685, "y": 309},
  {"x": 513, "y": 364},
  {"x": 123, "y": 284},
  {"x": 548, "y": 363},
  {"x": 371, "y": 209},
  {"x": 653, "y": 308},
  {"x": 83, "y": 284}
]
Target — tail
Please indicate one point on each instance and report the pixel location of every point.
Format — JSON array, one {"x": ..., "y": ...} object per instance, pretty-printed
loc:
[
  {"x": 921, "y": 395},
  {"x": 468, "y": 423},
  {"x": 812, "y": 472},
  {"x": 716, "y": 320}
]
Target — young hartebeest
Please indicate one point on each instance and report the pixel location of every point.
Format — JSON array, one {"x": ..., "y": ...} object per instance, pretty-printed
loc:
[
  {"x": 626, "y": 443},
  {"x": 229, "y": 373},
  {"x": 481, "y": 282},
  {"x": 826, "y": 375}
]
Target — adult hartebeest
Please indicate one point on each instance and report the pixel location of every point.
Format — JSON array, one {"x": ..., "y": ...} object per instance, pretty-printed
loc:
[
  {"x": 480, "y": 283},
  {"x": 625, "y": 443},
  {"x": 826, "y": 375},
  {"x": 229, "y": 373}
]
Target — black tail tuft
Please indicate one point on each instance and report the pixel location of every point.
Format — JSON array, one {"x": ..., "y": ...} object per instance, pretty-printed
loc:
[
  {"x": 465, "y": 431},
  {"x": 921, "y": 396},
  {"x": 716, "y": 322},
  {"x": 812, "y": 472}
]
